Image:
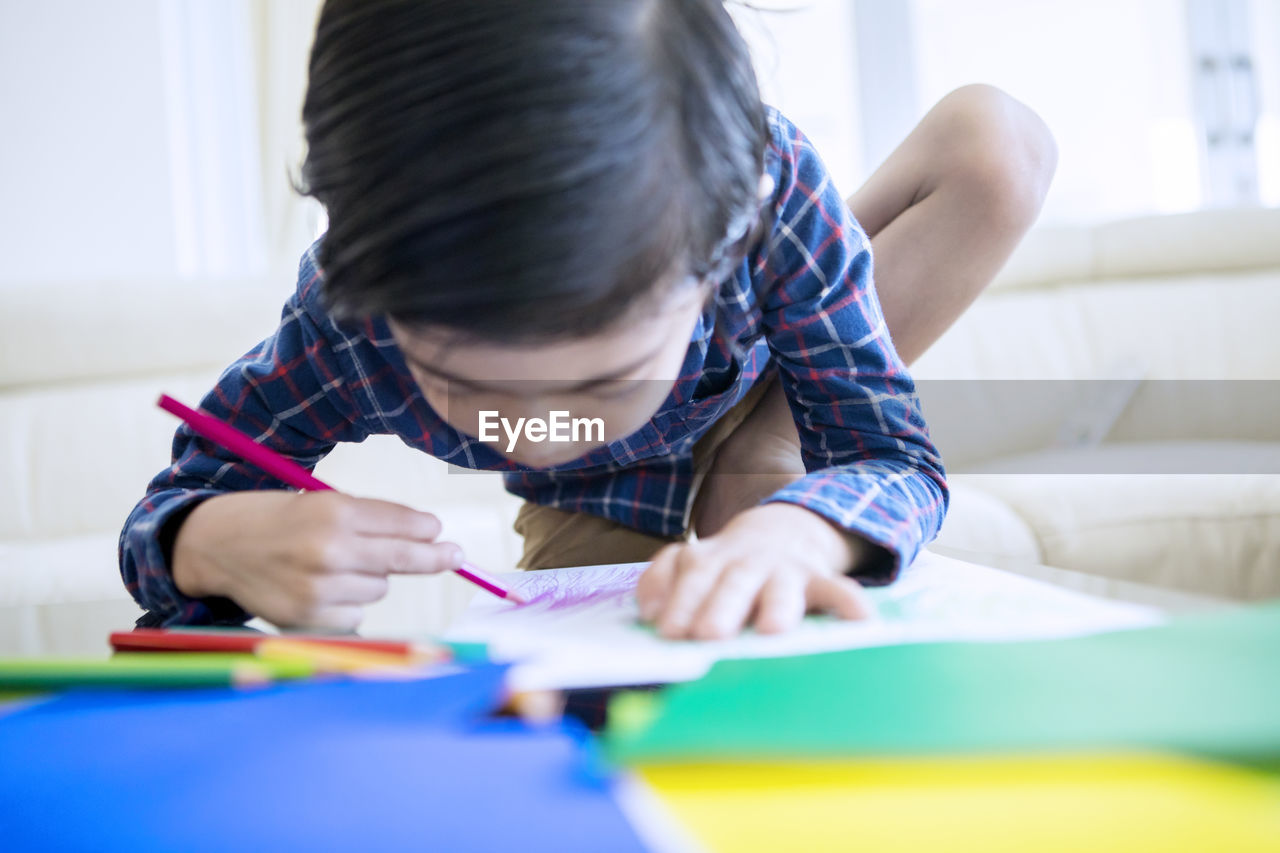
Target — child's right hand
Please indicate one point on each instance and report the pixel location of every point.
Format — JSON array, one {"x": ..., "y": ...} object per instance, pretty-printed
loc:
[{"x": 310, "y": 559}]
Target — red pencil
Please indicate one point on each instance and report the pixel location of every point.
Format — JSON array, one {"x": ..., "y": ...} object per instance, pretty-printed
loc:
[
  {"x": 233, "y": 641},
  {"x": 295, "y": 475}
]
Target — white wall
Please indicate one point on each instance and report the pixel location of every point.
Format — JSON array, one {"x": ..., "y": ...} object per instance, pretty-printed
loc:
[
  {"x": 1266, "y": 40},
  {"x": 152, "y": 137},
  {"x": 804, "y": 56},
  {"x": 84, "y": 155},
  {"x": 211, "y": 104},
  {"x": 1111, "y": 78},
  {"x": 130, "y": 145}
]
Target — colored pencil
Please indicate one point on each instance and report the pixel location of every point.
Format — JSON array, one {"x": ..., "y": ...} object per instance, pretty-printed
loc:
[
  {"x": 295, "y": 475},
  {"x": 233, "y": 640},
  {"x": 332, "y": 659},
  {"x": 148, "y": 670}
]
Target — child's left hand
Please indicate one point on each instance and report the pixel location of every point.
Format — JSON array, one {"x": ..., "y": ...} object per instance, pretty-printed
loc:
[{"x": 769, "y": 565}]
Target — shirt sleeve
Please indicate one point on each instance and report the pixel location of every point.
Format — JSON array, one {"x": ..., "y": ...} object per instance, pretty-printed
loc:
[
  {"x": 873, "y": 469},
  {"x": 287, "y": 394}
]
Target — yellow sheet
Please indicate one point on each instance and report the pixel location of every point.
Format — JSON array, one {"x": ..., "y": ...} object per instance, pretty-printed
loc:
[{"x": 1074, "y": 803}]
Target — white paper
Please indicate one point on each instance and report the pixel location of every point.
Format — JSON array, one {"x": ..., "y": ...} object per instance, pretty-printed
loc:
[{"x": 580, "y": 627}]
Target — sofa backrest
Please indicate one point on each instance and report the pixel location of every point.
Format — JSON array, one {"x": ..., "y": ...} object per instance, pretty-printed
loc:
[
  {"x": 1177, "y": 312},
  {"x": 82, "y": 363},
  {"x": 81, "y": 366},
  {"x": 1207, "y": 241}
]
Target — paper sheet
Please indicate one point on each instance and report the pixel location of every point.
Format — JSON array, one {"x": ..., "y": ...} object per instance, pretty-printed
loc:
[
  {"x": 1103, "y": 803},
  {"x": 1201, "y": 685},
  {"x": 338, "y": 765},
  {"x": 580, "y": 627}
]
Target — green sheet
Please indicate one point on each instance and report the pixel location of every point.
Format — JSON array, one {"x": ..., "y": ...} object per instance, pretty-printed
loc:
[{"x": 1208, "y": 685}]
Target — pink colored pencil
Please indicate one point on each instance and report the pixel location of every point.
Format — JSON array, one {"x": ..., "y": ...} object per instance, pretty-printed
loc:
[{"x": 295, "y": 475}]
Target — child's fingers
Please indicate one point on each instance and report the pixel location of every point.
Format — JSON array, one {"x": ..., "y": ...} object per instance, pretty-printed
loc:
[
  {"x": 725, "y": 610},
  {"x": 654, "y": 585},
  {"x": 335, "y": 617},
  {"x": 696, "y": 574},
  {"x": 382, "y": 555},
  {"x": 326, "y": 602},
  {"x": 355, "y": 589},
  {"x": 372, "y": 517},
  {"x": 341, "y": 617},
  {"x": 781, "y": 604},
  {"x": 839, "y": 595}
]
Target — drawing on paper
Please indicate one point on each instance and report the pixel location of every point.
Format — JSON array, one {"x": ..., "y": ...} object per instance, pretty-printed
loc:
[
  {"x": 581, "y": 628},
  {"x": 611, "y": 587}
]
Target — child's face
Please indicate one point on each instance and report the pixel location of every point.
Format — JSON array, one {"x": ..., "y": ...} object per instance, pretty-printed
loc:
[{"x": 620, "y": 376}]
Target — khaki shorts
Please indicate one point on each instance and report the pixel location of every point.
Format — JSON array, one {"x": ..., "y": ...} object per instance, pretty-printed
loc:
[{"x": 554, "y": 538}]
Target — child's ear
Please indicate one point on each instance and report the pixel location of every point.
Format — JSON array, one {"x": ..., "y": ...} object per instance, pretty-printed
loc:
[{"x": 765, "y": 190}]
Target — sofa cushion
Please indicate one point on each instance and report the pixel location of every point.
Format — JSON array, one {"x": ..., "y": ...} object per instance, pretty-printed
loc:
[
  {"x": 64, "y": 595},
  {"x": 1206, "y": 241},
  {"x": 1215, "y": 534},
  {"x": 73, "y": 331},
  {"x": 75, "y": 457},
  {"x": 1218, "y": 326},
  {"x": 980, "y": 523},
  {"x": 70, "y": 569}
]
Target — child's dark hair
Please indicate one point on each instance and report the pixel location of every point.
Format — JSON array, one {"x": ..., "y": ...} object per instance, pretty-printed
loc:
[{"x": 520, "y": 170}]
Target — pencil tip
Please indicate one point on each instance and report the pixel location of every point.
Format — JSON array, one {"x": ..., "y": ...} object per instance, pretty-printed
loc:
[{"x": 515, "y": 597}]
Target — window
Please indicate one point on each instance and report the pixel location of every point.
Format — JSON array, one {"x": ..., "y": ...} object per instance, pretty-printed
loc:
[
  {"x": 1264, "y": 33},
  {"x": 1122, "y": 83},
  {"x": 157, "y": 138}
]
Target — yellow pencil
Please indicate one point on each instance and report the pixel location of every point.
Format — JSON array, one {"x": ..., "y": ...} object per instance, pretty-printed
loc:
[{"x": 332, "y": 658}]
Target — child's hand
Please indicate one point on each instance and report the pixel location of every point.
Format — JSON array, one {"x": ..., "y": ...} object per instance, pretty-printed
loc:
[
  {"x": 770, "y": 565},
  {"x": 304, "y": 560}
]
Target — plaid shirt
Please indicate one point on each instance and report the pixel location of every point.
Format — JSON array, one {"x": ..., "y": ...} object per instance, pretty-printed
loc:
[{"x": 802, "y": 303}]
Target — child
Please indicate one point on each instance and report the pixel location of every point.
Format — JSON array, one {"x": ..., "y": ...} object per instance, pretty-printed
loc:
[{"x": 583, "y": 207}]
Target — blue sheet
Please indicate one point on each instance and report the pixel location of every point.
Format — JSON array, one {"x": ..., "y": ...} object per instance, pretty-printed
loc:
[{"x": 363, "y": 766}]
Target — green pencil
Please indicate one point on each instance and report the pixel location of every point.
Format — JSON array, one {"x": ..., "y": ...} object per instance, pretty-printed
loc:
[{"x": 147, "y": 670}]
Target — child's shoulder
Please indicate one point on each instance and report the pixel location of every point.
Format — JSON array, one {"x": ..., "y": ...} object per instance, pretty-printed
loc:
[
  {"x": 310, "y": 275},
  {"x": 780, "y": 127},
  {"x": 781, "y": 131},
  {"x": 790, "y": 155},
  {"x": 309, "y": 296},
  {"x": 787, "y": 142},
  {"x": 308, "y": 300}
]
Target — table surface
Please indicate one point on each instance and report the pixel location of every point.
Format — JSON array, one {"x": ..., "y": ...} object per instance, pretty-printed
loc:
[
  {"x": 81, "y": 628},
  {"x": 1169, "y": 600}
]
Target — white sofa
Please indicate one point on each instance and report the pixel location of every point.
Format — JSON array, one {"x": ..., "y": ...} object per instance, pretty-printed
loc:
[
  {"x": 1180, "y": 312},
  {"x": 81, "y": 364}
]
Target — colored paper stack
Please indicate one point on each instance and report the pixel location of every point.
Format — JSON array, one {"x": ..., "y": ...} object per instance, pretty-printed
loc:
[
  {"x": 330, "y": 764},
  {"x": 1165, "y": 738}
]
